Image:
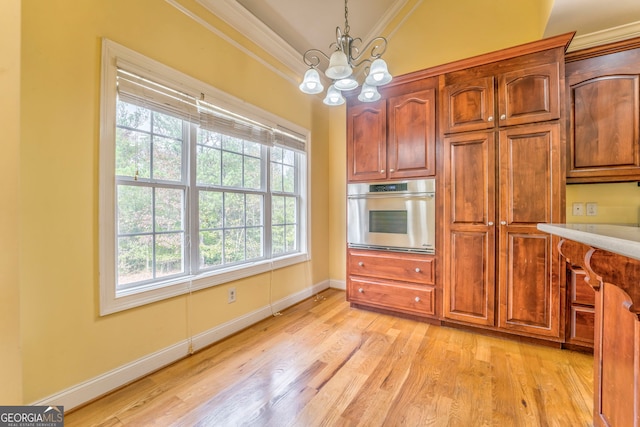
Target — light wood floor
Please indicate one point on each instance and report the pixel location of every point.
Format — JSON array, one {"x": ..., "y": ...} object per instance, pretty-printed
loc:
[{"x": 322, "y": 363}]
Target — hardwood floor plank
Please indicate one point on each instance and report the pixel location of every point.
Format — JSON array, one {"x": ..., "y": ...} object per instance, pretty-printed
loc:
[{"x": 323, "y": 363}]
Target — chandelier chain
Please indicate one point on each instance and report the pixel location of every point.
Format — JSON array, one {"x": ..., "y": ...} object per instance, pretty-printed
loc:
[{"x": 346, "y": 18}]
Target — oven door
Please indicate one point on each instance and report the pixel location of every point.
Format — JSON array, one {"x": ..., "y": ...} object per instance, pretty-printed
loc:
[{"x": 400, "y": 221}]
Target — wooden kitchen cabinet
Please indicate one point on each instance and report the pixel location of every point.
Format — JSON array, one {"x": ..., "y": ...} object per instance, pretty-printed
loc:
[
  {"x": 525, "y": 95},
  {"x": 528, "y": 266},
  {"x": 395, "y": 137},
  {"x": 615, "y": 280},
  {"x": 501, "y": 177},
  {"x": 603, "y": 88},
  {"x": 469, "y": 173},
  {"x": 581, "y": 313},
  {"x": 367, "y": 141},
  {"x": 394, "y": 281}
]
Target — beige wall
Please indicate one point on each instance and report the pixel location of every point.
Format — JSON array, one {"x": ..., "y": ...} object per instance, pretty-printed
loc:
[
  {"x": 10, "y": 355},
  {"x": 464, "y": 28},
  {"x": 617, "y": 203},
  {"x": 65, "y": 341}
]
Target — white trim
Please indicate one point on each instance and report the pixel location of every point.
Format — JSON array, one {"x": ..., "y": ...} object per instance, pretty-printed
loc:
[
  {"x": 609, "y": 35},
  {"x": 93, "y": 388},
  {"x": 338, "y": 284}
]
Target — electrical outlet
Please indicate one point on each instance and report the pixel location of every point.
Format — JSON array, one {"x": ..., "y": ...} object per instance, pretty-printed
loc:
[
  {"x": 578, "y": 209},
  {"x": 232, "y": 295},
  {"x": 592, "y": 209}
]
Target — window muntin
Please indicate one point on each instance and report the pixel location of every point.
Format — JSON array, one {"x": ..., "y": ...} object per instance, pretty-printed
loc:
[
  {"x": 284, "y": 201},
  {"x": 150, "y": 195},
  {"x": 231, "y": 195}
]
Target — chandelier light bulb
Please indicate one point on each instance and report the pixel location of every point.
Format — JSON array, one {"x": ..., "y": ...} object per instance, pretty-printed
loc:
[
  {"x": 378, "y": 74},
  {"x": 339, "y": 67},
  {"x": 311, "y": 83},
  {"x": 369, "y": 93},
  {"x": 347, "y": 83},
  {"x": 334, "y": 96}
]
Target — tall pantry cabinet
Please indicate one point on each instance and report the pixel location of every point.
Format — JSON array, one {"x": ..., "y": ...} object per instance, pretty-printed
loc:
[{"x": 503, "y": 173}]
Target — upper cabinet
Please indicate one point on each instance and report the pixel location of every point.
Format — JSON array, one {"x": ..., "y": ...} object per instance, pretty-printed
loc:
[
  {"x": 524, "y": 95},
  {"x": 603, "y": 88},
  {"x": 367, "y": 141},
  {"x": 395, "y": 137}
]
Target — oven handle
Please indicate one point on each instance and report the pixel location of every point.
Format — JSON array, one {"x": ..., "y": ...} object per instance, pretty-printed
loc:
[{"x": 390, "y": 196}]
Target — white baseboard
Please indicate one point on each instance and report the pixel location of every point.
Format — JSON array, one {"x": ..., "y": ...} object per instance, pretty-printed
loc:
[
  {"x": 109, "y": 381},
  {"x": 338, "y": 284}
]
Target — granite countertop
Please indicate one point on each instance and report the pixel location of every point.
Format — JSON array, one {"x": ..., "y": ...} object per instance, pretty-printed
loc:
[{"x": 620, "y": 239}]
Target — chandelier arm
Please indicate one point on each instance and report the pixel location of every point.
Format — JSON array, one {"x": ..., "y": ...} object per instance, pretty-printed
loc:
[
  {"x": 313, "y": 57},
  {"x": 376, "y": 48}
]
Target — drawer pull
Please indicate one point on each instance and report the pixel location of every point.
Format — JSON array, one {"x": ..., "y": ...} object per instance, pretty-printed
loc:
[
  {"x": 417, "y": 299},
  {"x": 418, "y": 270},
  {"x": 361, "y": 264},
  {"x": 361, "y": 290}
]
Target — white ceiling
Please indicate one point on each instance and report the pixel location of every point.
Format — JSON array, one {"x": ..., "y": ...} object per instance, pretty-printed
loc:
[
  {"x": 287, "y": 28},
  {"x": 306, "y": 24},
  {"x": 591, "y": 16}
]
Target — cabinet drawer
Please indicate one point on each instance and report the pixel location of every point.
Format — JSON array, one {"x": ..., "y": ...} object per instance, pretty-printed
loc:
[
  {"x": 581, "y": 292},
  {"x": 392, "y": 265},
  {"x": 582, "y": 321},
  {"x": 407, "y": 298}
]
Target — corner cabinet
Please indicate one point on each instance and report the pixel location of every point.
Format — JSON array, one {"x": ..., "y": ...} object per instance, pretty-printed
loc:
[
  {"x": 603, "y": 87},
  {"x": 502, "y": 175},
  {"x": 395, "y": 137}
]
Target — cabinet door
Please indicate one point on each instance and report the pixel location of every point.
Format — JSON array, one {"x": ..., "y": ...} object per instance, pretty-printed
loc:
[
  {"x": 529, "y": 95},
  {"x": 411, "y": 146},
  {"x": 529, "y": 286},
  {"x": 604, "y": 112},
  {"x": 468, "y": 105},
  {"x": 366, "y": 141},
  {"x": 469, "y": 215},
  {"x": 604, "y": 124}
]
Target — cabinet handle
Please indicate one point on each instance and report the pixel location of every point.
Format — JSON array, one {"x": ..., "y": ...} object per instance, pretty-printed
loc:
[
  {"x": 381, "y": 170},
  {"x": 361, "y": 290},
  {"x": 503, "y": 116},
  {"x": 392, "y": 170},
  {"x": 503, "y": 222},
  {"x": 490, "y": 223},
  {"x": 417, "y": 269},
  {"x": 490, "y": 118},
  {"x": 417, "y": 299},
  {"x": 361, "y": 264}
]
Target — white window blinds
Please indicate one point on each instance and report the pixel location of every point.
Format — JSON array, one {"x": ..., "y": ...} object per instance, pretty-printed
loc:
[{"x": 138, "y": 89}]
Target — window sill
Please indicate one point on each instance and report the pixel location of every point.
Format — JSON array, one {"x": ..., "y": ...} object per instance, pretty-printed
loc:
[{"x": 125, "y": 300}]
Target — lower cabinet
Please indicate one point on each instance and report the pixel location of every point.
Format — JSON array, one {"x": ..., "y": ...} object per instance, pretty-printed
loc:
[
  {"x": 581, "y": 313},
  {"x": 394, "y": 281}
]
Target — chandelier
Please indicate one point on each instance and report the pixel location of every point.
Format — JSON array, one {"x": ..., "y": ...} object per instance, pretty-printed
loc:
[{"x": 347, "y": 64}]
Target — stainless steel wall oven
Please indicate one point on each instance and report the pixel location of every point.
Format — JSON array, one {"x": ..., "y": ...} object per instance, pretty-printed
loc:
[{"x": 396, "y": 216}]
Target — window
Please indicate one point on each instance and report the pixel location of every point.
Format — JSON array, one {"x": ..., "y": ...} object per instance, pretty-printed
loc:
[{"x": 193, "y": 192}]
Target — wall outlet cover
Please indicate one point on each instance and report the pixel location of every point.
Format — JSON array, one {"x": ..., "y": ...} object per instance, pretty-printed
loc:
[{"x": 577, "y": 209}]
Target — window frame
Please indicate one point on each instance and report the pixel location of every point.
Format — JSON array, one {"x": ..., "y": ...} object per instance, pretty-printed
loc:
[{"x": 111, "y": 300}]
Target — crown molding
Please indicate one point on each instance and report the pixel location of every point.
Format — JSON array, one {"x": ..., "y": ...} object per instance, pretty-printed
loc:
[
  {"x": 234, "y": 14},
  {"x": 609, "y": 35}
]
